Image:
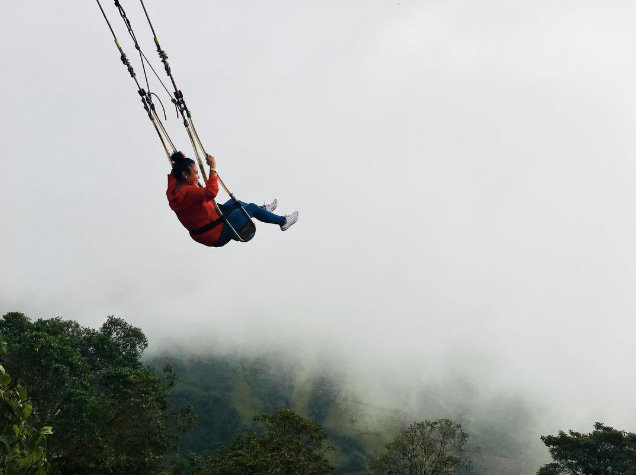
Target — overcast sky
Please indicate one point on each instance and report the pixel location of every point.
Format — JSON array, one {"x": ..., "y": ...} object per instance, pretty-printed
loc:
[{"x": 464, "y": 173}]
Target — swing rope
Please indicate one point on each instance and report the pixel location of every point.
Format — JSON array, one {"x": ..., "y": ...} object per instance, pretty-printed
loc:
[
  {"x": 182, "y": 109},
  {"x": 178, "y": 99},
  {"x": 146, "y": 98},
  {"x": 188, "y": 122},
  {"x": 142, "y": 57}
]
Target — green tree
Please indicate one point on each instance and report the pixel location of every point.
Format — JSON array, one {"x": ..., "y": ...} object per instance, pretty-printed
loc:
[
  {"x": 111, "y": 413},
  {"x": 424, "y": 448},
  {"x": 288, "y": 444},
  {"x": 603, "y": 451},
  {"x": 22, "y": 446}
]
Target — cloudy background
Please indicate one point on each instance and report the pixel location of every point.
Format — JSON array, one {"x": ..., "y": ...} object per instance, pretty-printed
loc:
[{"x": 464, "y": 173}]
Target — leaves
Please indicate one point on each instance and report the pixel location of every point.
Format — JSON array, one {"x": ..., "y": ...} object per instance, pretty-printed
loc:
[
  {"x": 290, "y": 444},
  {"x": 22, "y": 392},
  {"x": 32, "y": 458},
  {"x": 21, "y": 446},
  {"x": 604, "y": 450},
  {"x": 428, "y": 447},
  {"x": 111, "y": 414}
]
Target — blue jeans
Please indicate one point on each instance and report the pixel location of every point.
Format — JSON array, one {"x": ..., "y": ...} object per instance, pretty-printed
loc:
[{"x": 237, "y": 219}]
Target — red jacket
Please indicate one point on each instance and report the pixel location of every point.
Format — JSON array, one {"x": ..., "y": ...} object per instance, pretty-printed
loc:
[{"x": 194, "y": 207}]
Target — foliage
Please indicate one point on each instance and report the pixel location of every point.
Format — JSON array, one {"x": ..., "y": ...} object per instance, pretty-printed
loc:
[
  {"x": 111, "y": 414},
  {"x": 226, "y": 391},
  {"x": 289, "y": 444},
  {"x": 22, "y": 447},
  {"x": 424, "y": 448},
  {"x": 603, "y": 451}
]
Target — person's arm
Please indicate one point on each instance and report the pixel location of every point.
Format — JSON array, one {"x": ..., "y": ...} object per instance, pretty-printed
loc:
[
  {"x": 208, "y": 192},
  {"x": 211, "y": 163}
]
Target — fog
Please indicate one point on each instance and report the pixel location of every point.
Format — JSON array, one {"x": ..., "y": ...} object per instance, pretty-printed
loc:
[{"x": 463, "y": 172}]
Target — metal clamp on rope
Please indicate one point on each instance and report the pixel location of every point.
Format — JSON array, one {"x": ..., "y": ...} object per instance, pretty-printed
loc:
[
  {"x": 124, "y": 59},
  {"x": 162, "y": 53}
]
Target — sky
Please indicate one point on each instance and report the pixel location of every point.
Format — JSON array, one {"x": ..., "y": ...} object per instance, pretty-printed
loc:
[{"x": 463, "y": 171}]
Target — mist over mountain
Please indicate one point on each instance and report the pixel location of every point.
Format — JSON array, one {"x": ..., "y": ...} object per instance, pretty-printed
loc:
[
  {"x": 464, "y": 173},
  {"x": 227, "y": 390}
]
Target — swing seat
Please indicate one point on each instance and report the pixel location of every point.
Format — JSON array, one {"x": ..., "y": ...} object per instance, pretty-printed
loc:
[{"x": 247, "y": 232}]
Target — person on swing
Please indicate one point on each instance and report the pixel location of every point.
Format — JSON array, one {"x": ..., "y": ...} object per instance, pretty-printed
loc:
[{"x": 194, "y": 205}]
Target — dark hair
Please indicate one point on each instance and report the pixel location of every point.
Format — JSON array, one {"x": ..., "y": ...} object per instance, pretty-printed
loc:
[{"x": 180, "y": 164}]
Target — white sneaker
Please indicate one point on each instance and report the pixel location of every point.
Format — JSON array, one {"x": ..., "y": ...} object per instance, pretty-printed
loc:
[
  {"x": 289, "y": 220},
  {"x": 271, "y": 206}
]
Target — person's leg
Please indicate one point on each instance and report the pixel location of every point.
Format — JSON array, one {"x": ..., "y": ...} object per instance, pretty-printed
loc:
[
  {"x": 238, "y": 220},
  {"x": 262, "y": 214},
  {"x": 225, "y": 237},
  {"x": 226, "y": 207}
]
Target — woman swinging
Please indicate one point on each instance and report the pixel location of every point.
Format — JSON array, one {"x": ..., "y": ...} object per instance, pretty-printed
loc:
[{"x": 194, "y": 205}]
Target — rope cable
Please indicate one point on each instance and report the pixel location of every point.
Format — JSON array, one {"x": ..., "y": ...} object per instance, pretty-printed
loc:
[
  {"x": 163, "y": 129},
  {"x": 157, "y": 76},
  {"x": 160, "y": 51},
  {"x": 123, "y": 57},
  {"x": 146, "y": 98},
  {"x": 142, "y": 55},
  {"x": 178, "y": 100},
  {"x": 161, "y": 103},
  {"x": 187, "y": 120},
  {"x": 131, "y": 32}
]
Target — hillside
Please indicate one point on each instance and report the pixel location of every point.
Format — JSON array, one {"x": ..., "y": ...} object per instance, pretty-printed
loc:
[{"x": 227, "y": 391}]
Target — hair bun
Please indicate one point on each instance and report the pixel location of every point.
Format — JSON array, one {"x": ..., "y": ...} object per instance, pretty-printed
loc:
[
  {"x": 177, "y": 157},
  {"x": 180, "y": 165}
]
